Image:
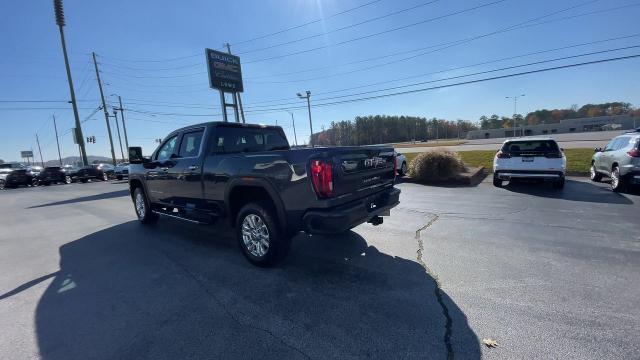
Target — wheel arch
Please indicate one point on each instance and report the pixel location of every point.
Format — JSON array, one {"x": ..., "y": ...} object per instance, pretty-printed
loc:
[{"x": 245, "y": 190}]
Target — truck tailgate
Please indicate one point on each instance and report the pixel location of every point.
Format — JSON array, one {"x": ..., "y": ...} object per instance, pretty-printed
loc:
[{"x": 362, "y": 171}]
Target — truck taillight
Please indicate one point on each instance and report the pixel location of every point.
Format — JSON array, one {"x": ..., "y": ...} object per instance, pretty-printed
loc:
[
  {"x": 395, "y": 165},
  {"x": 634, "y": 153},
  {"x": 503, "y": 155},
  {"x": 322, "y": 178}
]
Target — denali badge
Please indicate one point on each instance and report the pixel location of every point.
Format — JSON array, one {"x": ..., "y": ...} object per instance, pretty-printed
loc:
[{"x": 374, "y": 162}]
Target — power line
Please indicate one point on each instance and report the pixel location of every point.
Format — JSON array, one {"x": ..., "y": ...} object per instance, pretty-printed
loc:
[
  {"x": 340, "y": 29},
  {"x": 378, "y": 33},
  {"x": 460, "y": 41},
  {"x": 304, "y": 24}
]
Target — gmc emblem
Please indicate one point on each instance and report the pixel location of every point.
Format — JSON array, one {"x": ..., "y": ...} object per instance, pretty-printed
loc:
[{"x": 374, "y": 162}]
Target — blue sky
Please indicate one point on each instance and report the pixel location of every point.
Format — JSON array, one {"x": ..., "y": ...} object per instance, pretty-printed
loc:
[{"x": 152, "y": 54}]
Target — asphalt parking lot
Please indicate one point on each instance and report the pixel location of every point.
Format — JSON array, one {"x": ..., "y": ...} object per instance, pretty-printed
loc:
[{"x": 545, "y": 273}]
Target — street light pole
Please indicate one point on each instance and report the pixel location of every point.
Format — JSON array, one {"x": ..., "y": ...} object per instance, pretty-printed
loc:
[
  {"x": 515, "y": 111},
  {"x": 124, "y": 125},
  {"x": 293, "y": 121},
  {"x": 55, "y": 128},
  {"x": 115, "y": 115},
  {"x": 57, "y": 6},
  {"x": 308, "y": 97}
]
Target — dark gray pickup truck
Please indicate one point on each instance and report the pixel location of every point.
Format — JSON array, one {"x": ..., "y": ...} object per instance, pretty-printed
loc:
[{"x": 267, "y": 191}]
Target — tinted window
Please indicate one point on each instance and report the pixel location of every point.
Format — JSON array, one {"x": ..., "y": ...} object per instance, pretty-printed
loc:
[
  {"x": 515, "y": 148},
  {"x": 190, "y": 145},
  {"x": 167, "y": 149},
  {"x": 237, "y": 139},
  {"x": 610, "y": 145}
]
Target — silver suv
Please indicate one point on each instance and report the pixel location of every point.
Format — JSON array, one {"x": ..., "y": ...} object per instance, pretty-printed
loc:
[{"x": 619, "y": 160}]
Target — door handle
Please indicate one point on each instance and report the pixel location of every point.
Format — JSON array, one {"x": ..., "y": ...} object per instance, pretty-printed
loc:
[
  {"x": 164, "y": 168},
  {"x": 193, "y": 167}
]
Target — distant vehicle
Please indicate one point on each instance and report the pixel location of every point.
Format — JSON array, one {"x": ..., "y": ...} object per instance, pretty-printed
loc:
[
  {"x": 32, "y": 173},
  {"x": 93, "y": 172},
  {"x": 619, "y": 160},
  {"x": 248, "y": 175},
  {"x": 107, "y": 169},
  {"x": 532, "y": 158},
  {"x": 121, "y": 171},
  {"x": 401, "y": 164},
  {"x": 52, "y": 175},
  {"x": 12, "y": 177},
  {"x": 12, "y": 166}
]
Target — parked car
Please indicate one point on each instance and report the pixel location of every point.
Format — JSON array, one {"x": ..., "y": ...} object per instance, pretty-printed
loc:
[
  {"x": 11, "y": 165},
  {"x": 121, "y": 171},
  {"x": 53, "y": 174},
  {"x": 248, "y": 175},
  {"x": 93, "y": 172},
  {"x": 619, "y": 160},
  {"x": 401, "y": 164},
  {"x": 532, "y": 158},
  {"x": 13, "y": 177}
]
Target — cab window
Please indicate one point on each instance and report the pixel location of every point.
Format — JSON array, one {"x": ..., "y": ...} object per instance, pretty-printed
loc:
[{"x": 167, "y": 149}]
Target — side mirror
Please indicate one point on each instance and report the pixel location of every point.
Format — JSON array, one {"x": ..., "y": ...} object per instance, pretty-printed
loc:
[
  {"x": 174, "y": 156},
  {"x": 597, "y": 149},
  {"x": 135, "y": 155}
]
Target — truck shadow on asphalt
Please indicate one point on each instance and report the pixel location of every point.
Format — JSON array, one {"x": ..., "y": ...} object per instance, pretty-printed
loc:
[
  {"x": 174, "y": 290},
  {"x": 100, "y": 196},
  {"x": 573, "y": 191}
]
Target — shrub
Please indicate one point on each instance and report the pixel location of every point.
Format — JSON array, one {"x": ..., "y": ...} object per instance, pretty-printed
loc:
[{"x": 436, "y": 165}]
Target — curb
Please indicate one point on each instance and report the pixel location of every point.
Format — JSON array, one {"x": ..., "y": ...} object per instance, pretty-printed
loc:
[{"x": 472, "y": 178}]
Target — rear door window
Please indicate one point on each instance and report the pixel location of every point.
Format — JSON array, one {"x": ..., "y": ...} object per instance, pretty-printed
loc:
[
  {"x": 229, "y": 140},
  {"x": 531, "y": 148}
]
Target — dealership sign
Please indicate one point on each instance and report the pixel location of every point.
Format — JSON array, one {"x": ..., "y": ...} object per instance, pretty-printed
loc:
[
  {"x": 26, "y": 154},
  {"x": 224, "y": 69}
]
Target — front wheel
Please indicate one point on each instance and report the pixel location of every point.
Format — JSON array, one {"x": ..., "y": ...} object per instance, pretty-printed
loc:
[
  {"x": 403, "y": 169},
  {"x": 105, "y": 177},
  {"x": 35, "y": 182},
  {"x": 143, "y": 210},
  {"x": 68, "y": 179},
  {"x": 594, "y": 175},
  {"x": 259, "y": 237},
  {"x": 3, "y": 184}
]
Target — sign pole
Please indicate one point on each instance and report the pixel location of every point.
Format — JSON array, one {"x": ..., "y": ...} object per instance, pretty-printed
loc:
[{"x": 223, "y": 103}]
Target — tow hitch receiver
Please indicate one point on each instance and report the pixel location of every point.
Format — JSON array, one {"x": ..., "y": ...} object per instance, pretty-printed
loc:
[{"x": 375, "y": 221}]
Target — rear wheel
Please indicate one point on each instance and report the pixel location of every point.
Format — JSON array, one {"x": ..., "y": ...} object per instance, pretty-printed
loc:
[
  {"x": 119, "y": 177},
  {"x": 3, "y": 184},
  {"x": 497, "y": 182},
  {"x": 84, "y": 180},
  {"x": 35, "y": 182},
  {"x": 594, "y": 175},
  {"x": 559, "y": 184},
  {"x": 105, "y": 177},
  {"x": 617, "y": 183},
  {"x": 143, "y": 210},
  {"x": 260, "y": 239},
  {"x": 68, "y": 179}
]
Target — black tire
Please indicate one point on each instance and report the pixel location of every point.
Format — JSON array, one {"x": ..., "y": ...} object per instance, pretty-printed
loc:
[
  {"x": 68, "y": 179},
  {"x": 3, "y": 184},
  {"x": 403, "y": 169},
  {"x": 104, "y": 177},
  {"x": 46, "y": 183},
  {"x": 247, "y": 230},
  {"x": 497, "y": 182},
  {"x": 142, "y": 207},
  {"x": 559, "y": 184},
  {"x": 594, "y": 175},
  {"x": 119, "y": 177},
  {"x": 617, "y": 182},
  {"x": 35, "y": 182}
]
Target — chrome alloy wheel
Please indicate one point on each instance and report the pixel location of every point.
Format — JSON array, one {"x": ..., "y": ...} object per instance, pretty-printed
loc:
[
  {"x": 67, "y": 179},
  {"x": 592, "y": 172},
  {"x": 615, "y": 178},
  {"x": 140, "y": 207},
  {"x": 255, "y": 235}
]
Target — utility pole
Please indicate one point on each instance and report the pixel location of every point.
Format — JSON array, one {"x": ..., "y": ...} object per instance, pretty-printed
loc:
[
  {"x": 308, "y": 97},
  {"x": 104, "y": 108},
  {"x": 293, "y": 121},
  {"x": 115, "y": 115},
  {"x": 237, "y": 100},
  {"x": 515, "y": 111},
  {"x": 59, "y": 11},
  {"x": 40, "y": 151},
  {"x": 55, "y": 127},
  {"x": 124, "y": 126}
]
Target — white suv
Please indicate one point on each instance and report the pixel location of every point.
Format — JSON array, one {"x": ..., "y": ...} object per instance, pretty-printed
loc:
[{"x": 530, "y": 158}]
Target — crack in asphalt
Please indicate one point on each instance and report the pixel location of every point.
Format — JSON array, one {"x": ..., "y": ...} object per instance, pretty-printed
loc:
[
  {"x": 437, "y": 290},
  {"x": 231, "y": 315}
]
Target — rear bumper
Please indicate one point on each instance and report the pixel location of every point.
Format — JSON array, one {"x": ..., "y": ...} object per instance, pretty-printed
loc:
[
  {"x": 529, "y": 174},
  {"x": 350, "y": 215}
]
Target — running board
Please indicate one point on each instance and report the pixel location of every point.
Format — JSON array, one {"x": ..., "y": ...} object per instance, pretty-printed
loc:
[{"x": 179, "y": 217}]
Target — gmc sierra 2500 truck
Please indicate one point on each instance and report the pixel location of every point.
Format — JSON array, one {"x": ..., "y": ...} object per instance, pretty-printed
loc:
[{"x": 267, "y": 191}]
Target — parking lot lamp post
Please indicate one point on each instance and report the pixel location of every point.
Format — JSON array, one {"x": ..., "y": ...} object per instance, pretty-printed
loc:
[
  {"x": 515, "y": 111},
  {"x": 293, "y": 122}
]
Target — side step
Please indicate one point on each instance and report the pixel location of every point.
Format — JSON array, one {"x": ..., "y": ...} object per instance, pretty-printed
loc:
[{"x": 163, "y": 213}]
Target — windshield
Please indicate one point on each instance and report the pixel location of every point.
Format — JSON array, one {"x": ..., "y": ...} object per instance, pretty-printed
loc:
[{"x": 532, "y": 147}]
